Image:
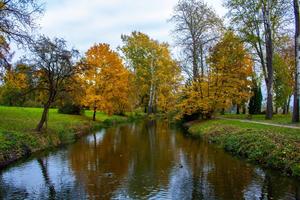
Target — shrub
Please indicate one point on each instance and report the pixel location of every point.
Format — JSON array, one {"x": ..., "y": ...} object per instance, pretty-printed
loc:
[{"x": 70, "y": 109}]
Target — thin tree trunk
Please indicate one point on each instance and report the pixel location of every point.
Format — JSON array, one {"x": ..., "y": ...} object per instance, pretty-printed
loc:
[
  {"x": 297, "y": 56},
  {"x": 44, "y": 117},
  {"x": 52, "y": 192},
  {"x": 237, "y": 109},
  {"x": 94, "y": 114},
  {"x": 269, "y": 59},
  {"x": 288, "y": 105},
  {"x": 244, "y": 109},
  {"x": 150, "y": 104},
  {"x": 284, "y": 110},
  {"x": 152, "y": 90}
]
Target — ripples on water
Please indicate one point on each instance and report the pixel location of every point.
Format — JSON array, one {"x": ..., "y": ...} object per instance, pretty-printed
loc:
[{"x": 147, "y": 160}]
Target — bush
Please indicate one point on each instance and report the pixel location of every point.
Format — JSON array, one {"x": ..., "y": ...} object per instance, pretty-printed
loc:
[{"x": 70, "y": 109}]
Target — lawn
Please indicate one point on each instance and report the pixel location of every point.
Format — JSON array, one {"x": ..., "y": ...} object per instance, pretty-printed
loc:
[
  {"x": 277, "y": 119},
  {"x": 272, "y": 147},
  {"x": 18, "y": 136}
]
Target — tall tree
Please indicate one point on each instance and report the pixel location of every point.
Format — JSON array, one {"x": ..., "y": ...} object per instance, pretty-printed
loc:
[
  {"x": 54, "y": 66},
  {"x": 156, "y": 74},
  {"x": 284, "y": 63},
  {"x": 227, "y": 83},
  {"x": 297, "y": 57},
  {"x": 258, "y": 22},
  {"x": 106, "y": 80},
  {"x": 197, "y": 26}
]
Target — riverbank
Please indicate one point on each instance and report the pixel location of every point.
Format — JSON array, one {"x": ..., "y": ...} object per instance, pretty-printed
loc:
[
  {"x": 269, "y": 146},
  {"x": 18, "y": 138}
]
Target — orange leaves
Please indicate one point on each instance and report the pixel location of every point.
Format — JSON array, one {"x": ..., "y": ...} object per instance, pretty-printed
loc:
[
  {"x": 226, "y": 83},
  {"x": 106, "y": 80}
]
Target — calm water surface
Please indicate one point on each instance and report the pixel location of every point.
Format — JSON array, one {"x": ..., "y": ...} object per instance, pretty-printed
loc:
[{"x": 147, "y": 160}]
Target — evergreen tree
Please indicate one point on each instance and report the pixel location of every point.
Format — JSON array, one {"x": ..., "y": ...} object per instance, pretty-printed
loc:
[{"x": 256, "y": 100}]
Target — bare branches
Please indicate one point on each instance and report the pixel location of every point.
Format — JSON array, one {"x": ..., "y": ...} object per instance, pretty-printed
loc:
[
  {"x": 17, "y": 19},
  {"x": 196, "y": 27}
]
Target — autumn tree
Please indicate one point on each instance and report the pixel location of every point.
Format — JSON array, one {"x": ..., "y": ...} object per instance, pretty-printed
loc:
[
  {"x": 106, "y": 81},
  {"x": 156, "y": 74},
  {"x": 54, "y": 67},
  {"x": 259, "y": 24},
  {"x": 228, "y": 82},
  {"x": 16, "y": 83},
  {"x": 284, "y": 64},
  {"x": 296, "y": 109},
  {"x": 197, "y": 27}
]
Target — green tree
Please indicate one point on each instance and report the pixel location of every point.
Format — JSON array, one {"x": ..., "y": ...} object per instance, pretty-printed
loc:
[
  {"x": 283, "y": 79},
  {"x": 259, "y": 23},
  {"x": 256, "y": 99}
]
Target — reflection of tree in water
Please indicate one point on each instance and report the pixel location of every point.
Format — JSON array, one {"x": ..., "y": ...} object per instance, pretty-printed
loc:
[
  {"x": 278, "y": 187},
  {"x": 141, "y": 160},
  {"x": 214, "y": 173},
  {"x": 46, "y": 177},
  {"x": 152, "y": 158},
  {"x": 101, "y": 165}
]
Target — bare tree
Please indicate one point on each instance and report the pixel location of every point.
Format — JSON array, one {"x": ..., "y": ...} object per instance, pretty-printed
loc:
[
  {"x": 17, "y": 19},
  {"x": 55, "y": 69},
  {"x": 297, "y": 56},
  {"x": 196, "y": 27}
]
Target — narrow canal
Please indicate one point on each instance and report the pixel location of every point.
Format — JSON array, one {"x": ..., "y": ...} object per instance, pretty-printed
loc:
[{"x": 145, "y": 160}]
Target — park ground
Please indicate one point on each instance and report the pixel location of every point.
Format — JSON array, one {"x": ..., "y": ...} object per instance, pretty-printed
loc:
[
  {"x": 268, "y": 144},
  {"x": 272, "y": 144},
  {"x": 18, "y": 137}
]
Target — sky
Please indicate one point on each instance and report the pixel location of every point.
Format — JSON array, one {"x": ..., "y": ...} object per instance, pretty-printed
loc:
[{"x": 83, "y": 23}]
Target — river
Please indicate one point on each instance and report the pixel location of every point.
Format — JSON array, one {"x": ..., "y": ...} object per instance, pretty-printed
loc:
[{"x": 145, "y": 160}]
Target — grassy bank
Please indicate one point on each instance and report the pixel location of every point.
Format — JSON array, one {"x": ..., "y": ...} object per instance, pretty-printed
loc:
[
  {"x": 18, "y": 138},
  {"x": 271, "y": 147},
  {"x": 277, "y": 119}
]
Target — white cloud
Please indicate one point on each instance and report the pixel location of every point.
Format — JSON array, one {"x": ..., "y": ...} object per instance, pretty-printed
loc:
[{"x": 83, "y": 23}]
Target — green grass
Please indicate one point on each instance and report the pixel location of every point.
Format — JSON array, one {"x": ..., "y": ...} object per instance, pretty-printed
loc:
[
  {"x": 18, "y": 136},
  {"x": 272, "y": 147},
  {"x": 277, "y": 119}
]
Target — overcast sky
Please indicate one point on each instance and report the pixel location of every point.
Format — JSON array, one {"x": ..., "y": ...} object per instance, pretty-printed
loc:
[{"x": 83, "y": 23}]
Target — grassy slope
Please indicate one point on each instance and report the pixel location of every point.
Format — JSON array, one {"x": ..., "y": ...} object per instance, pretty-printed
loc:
[
  {"x": 269, "y": 146},
  {"x": 18, "y": 138},
  {"x": 277, "y": 119}
]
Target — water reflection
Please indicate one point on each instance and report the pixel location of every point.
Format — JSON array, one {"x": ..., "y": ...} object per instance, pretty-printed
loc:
[{"x": 148, "y": 160}]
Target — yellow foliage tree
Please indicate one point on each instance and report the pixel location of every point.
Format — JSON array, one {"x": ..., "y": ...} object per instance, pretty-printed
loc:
[
  {"x": 226, "y": 83},
  {"x": 156, "y": 74},
  {"x": 106, "y": 81}
]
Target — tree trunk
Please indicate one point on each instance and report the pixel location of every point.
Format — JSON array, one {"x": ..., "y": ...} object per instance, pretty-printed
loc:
[
  {"x": 223, "y": 111},
  {"x": 269, "y": 59},
  {"x": 284, "y": 108},
  {"x": 288, "y": 105},
  {"x": 244, "y": 109},
  {"x": 44, "y": 117},
  {"x": 237, "y": 109},
  {"x": 150, "y": 104},
  {"x": 297, "y": 56},
  {"x": 94, "y": 114},
  {"x": 152, "y": 90}
]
